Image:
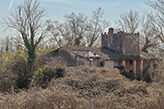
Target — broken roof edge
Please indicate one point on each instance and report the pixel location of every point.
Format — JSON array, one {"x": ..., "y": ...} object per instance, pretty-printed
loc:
[
  {"x": 72, "y": 51},
  {"x": 145, "y": 55},
  {"x": 105, "y": 56}
]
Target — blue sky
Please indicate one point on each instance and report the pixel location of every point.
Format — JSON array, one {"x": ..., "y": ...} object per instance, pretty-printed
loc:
[{"x": 56, "y": 9}]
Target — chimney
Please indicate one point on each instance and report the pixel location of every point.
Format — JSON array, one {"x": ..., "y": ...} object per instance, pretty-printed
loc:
[{"x": 111, "y": 30}]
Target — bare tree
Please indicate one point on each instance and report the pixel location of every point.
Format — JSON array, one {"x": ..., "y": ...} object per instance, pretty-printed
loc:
[
  {"x": 71, "y": 32},
  {"x": 28, "y": 21},
  {"x": 6, "y": 44},
  {"x": 157, "y": 21},
  {"x": 97, "y": 26},
  {"x": 146, "y": 41},
  {"x": 78, "y": 29},
  {"x": 17, "y": 40},
  {"x": 129, "y": 21},
  {"x": 78, "y": 26}
]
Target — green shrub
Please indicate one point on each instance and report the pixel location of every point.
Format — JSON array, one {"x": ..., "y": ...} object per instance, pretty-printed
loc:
[
  {"x": 12, "y": 69},
  {"x": 147, "y": 75},
  {"x": 43, "y": 76},
  {"x": 7, "y": 80},
  {"x": 129, "y": 75},
  {"x": 19, "y": 68},
  {"x": 59, "y": 71}
]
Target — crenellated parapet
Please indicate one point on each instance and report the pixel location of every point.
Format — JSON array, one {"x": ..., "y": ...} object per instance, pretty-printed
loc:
[{"x": 125, "y": 43}]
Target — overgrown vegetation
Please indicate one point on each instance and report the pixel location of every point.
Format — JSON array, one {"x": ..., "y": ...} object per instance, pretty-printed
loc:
[
  {"x": 85, "y": 88},
  {"x": 52, "y": 85},
  {"x": 43, "y": 76},
  {"x": 29, "y": 79},
  {"x": 14, "y": 72},
  {"x": 127, "y": 74},
  {"x": 28, "y": 21}
]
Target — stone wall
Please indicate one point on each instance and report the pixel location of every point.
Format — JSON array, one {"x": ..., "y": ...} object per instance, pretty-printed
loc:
[
  {"x": 130, "y": 44},
  {"x": 116, "y": 42},
  {"x": 104, "y": 40},
  {"x": 80, "y": 60},
  {"x": 109, "y": 64},
  {"x": 67, "y": 56},
  {"x": 127, "y": 44}
]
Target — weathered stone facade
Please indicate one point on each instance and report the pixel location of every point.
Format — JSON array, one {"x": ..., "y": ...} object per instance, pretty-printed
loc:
[
  {"x": 127, "y": 44},
  {"x": 121, "y": 49}
]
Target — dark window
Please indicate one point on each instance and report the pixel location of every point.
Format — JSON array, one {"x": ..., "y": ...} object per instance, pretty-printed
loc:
[
  {"x": 102, "y": 64},
  {"x": 91, "y": 62},
  {"x": 131, "y": 71},
  {"x": 131, "y": 62}
]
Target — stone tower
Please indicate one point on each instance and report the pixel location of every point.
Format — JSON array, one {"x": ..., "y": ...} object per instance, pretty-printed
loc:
[{"x": 125, "y": 43}]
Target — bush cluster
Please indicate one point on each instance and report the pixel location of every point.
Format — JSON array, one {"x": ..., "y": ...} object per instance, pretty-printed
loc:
[
  {"x": 86, "y": 88},
  {"x": 127, "y": 74},
  {"x": 80, "y": 87},
  {"x": 43, "y": 76},
  {"x": 14, "y": 72}
]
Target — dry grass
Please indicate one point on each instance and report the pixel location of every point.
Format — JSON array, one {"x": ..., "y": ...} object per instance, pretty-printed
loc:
[{"x": 88, "y": 88}]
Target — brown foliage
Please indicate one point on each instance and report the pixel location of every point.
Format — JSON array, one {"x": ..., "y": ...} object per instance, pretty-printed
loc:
[{"x": 88, "y": 88}]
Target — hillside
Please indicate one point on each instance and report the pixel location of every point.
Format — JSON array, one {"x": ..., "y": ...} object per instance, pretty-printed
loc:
[{"x": 88, "y": 88}]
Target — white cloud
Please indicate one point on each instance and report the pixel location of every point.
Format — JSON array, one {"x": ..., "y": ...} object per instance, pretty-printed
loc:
[{"x": 10, "y": 4}]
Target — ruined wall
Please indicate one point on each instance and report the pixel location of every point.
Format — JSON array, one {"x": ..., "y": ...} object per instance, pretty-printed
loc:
[
  {"x": 130, "y": 44},
  {"x": 67, "y": 56},
  {"x": 104, "y": 40},
  {"x": 80, "y": 60},
  {"x": 96, "y": 62},
  {"x": 127, "y": 44},
  {"x": 109, "y": 64},
  {"x": 117, "y": 63},
  {"x": 128, "y": 66},
  {"x": 138, "y": 65},
  {"x": 116, "y": 42},
  {"x": 86, "y": 62}
]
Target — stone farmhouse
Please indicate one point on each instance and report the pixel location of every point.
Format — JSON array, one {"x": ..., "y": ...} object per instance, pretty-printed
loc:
[{"x": 117, "y": 49}]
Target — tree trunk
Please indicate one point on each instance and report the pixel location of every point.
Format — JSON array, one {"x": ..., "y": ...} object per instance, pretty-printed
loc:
[{"x": 31, "y": 57}]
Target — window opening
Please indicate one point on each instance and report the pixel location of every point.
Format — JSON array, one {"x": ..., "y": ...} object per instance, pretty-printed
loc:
[{"x": 131, "y": 62}]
